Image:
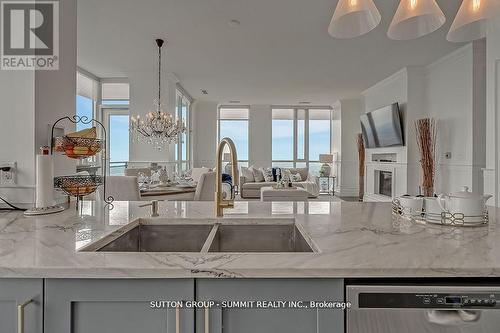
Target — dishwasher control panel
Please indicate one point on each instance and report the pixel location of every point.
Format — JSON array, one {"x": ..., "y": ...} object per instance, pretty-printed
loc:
[{"x": 428, "y": 300}]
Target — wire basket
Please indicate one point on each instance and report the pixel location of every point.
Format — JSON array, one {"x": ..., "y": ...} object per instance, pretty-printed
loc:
[
  {"x": 79, "y": 185},
  {"x": 78, "y": 148}
]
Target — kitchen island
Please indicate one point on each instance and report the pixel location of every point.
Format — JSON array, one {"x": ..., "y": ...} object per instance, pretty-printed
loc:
[
  {"x": 50, "y": 269},
  {"x": 352, "y": 240}
]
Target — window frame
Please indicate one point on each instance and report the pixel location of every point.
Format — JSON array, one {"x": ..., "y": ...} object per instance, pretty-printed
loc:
[
  {"x": 182, "y": 96},
  {"x": 247, "y": 120},
  {"x": 296, "y": 109},
  {"x": 107, "y": 112}
]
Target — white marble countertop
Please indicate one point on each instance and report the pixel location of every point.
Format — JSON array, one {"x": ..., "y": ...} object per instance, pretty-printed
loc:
[{"x": 354, "y": 239}]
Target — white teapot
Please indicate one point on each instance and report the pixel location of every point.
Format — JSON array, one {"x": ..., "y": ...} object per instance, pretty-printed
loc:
[{"x": 466, "y": 202}]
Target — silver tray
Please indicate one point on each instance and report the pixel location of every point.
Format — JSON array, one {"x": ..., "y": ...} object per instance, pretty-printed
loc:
[{"x": 445, "y": 218}]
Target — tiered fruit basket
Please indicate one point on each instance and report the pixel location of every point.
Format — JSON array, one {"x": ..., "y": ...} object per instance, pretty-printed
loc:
[{"x": 80, "y": 147}]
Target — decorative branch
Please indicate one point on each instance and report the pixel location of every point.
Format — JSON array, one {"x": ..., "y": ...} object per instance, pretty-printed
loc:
[
  {"x": 426, "y": 133},
  {"x": 361, "y": 165}
]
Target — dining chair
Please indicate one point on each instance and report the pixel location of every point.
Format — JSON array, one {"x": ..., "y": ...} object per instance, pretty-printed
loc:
[
  {"x": 121, "y": 188},
  {"x": 197, "y": 172},
  {"x": 136, "y": 171},
  {"x": 205, "y": 189}
]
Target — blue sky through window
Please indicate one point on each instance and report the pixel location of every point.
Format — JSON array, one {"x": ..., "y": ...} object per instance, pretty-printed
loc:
[
  {"x": 319, "y": 138},
  {"x": 119, "y": 138},
  {"x": 282, "y": 140},
  {"x": 237, "y": 130},
  {"x": 84, "y": 107}
]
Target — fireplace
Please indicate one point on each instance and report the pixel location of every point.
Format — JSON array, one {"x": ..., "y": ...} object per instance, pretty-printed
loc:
[{"x": 385, "y": 183}]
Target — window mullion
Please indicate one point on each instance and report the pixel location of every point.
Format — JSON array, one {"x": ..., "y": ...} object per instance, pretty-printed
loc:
[
  {"x": 295, "y": 137},
  {"x": 306, "y": 136}
]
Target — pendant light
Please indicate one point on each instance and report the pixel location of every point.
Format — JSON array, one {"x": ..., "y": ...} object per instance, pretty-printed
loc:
[
  {"x": 415, "y": 18},
  {"x": 472, "y": 20},
  {"x": 353, "y": 18},
  {"x": 157, "y": 127}
]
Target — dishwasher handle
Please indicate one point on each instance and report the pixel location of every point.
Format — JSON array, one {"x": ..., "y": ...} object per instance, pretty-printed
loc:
[{"x": 453, "y": 317}]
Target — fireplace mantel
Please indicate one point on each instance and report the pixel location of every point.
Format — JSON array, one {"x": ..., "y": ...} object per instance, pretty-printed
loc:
[{"x": 391, "y": 160}]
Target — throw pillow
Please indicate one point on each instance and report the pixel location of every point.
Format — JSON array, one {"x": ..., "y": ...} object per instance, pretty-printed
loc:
[
  {"x": 258, "y": 175},
  {"x": 248, "y": 174},
  {"x": 268, "y": 175},
  {"x": 295, "y": 177}
]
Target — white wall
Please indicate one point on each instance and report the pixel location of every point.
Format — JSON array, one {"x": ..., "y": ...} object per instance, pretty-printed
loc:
[
  {"x": 260, "y": 135},
  {"x": 204, "y": 136},
  {"x": 451, "y": 90},
  {"x": 455, "y": 98},
  {"x": 31, "y": 103},
  {"x": 55, "y": 91},
  {"x": 491, "y": 172},
  {"x": 17, "y": 132},
  {"x": 349, "y": 111}
]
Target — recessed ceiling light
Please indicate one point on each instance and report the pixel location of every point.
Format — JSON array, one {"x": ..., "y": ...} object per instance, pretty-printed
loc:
[
  {"x": 234, "y": 23},
  {"x": 234, "y": 102},
  {"x": 304, "y": 102},
  {"x": 204, "y": 92}
]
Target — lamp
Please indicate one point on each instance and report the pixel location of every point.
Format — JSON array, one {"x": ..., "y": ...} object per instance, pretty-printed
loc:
[
  {"x": 471, "y": 21},
  {"x": 326, "y": 169},
  {"x": 415, "y": 18},
  {"x": 353, "y": 18}
]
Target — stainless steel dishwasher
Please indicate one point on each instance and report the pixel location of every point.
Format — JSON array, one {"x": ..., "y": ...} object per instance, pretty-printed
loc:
[{"x": 423, "y": 309}]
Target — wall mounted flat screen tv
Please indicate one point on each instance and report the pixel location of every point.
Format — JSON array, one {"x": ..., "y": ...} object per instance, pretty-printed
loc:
[{"x": 382, "y": 127}]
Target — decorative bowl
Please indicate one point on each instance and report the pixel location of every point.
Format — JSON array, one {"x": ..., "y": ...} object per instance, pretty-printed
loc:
[
  {"x": 79, "y": 185},
  {"x": 78, "y": 148}
]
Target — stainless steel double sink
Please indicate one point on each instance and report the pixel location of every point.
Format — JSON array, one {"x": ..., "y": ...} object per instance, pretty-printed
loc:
[{"x": 269, "y": 236}]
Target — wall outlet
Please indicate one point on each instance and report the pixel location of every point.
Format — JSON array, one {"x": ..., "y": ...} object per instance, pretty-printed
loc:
[
  {"x": 8, "y": 173},
  {"x": 447, "y": 155}
]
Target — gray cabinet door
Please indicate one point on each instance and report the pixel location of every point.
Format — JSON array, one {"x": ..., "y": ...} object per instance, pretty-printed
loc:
[
  {"x": 277, "y": 320},
  {"x": 117, "y": 306},
  {"x": 14, "y": 292}
]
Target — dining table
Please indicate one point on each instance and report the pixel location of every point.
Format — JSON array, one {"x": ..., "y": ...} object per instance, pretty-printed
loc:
[{"x": 171, "y": 192}]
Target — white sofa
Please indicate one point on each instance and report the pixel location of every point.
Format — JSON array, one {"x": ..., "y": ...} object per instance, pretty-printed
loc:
[{"x": 250, "y": 189}]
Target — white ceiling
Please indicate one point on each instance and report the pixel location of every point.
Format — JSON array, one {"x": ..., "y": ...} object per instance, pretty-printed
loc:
[{"x": 280, "y": 54}]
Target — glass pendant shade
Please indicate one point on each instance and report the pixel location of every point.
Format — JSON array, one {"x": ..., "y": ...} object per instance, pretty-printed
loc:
[
  {"x": 353, "y": 18},
  {"x": 472, "y": 20},
  {"x": 415, "y": 18}
]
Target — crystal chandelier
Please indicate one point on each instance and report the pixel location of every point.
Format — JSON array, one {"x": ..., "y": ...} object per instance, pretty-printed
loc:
[{"x": 157, "y": 127}]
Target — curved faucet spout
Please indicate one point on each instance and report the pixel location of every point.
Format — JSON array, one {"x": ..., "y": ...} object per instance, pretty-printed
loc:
[{"x": 221, "y": 203}]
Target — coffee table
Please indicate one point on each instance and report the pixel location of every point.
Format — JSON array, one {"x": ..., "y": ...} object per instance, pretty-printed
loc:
[{"x": 270, "y": 193}]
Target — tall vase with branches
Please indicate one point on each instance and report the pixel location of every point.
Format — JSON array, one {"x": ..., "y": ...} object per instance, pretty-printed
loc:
[
  {"x": 426, "y": 132},
  {"x": 361, "y": 165}
]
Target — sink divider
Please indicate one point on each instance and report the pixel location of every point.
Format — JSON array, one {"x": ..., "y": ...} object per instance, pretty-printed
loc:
[{"x": 210, "y": 238}]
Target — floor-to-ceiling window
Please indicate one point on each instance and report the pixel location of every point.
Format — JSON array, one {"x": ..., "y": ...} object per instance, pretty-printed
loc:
[
  {"x": 320, "y": 124},
  {"x": 233, "y": 123},
  {"x": 283, "y": 135},
  {"x": 182, "y": 153},
  {"x": 86, "y": 99},
  {"x": 115, "y": 102},
  {"x": 299, "y": 136}
]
